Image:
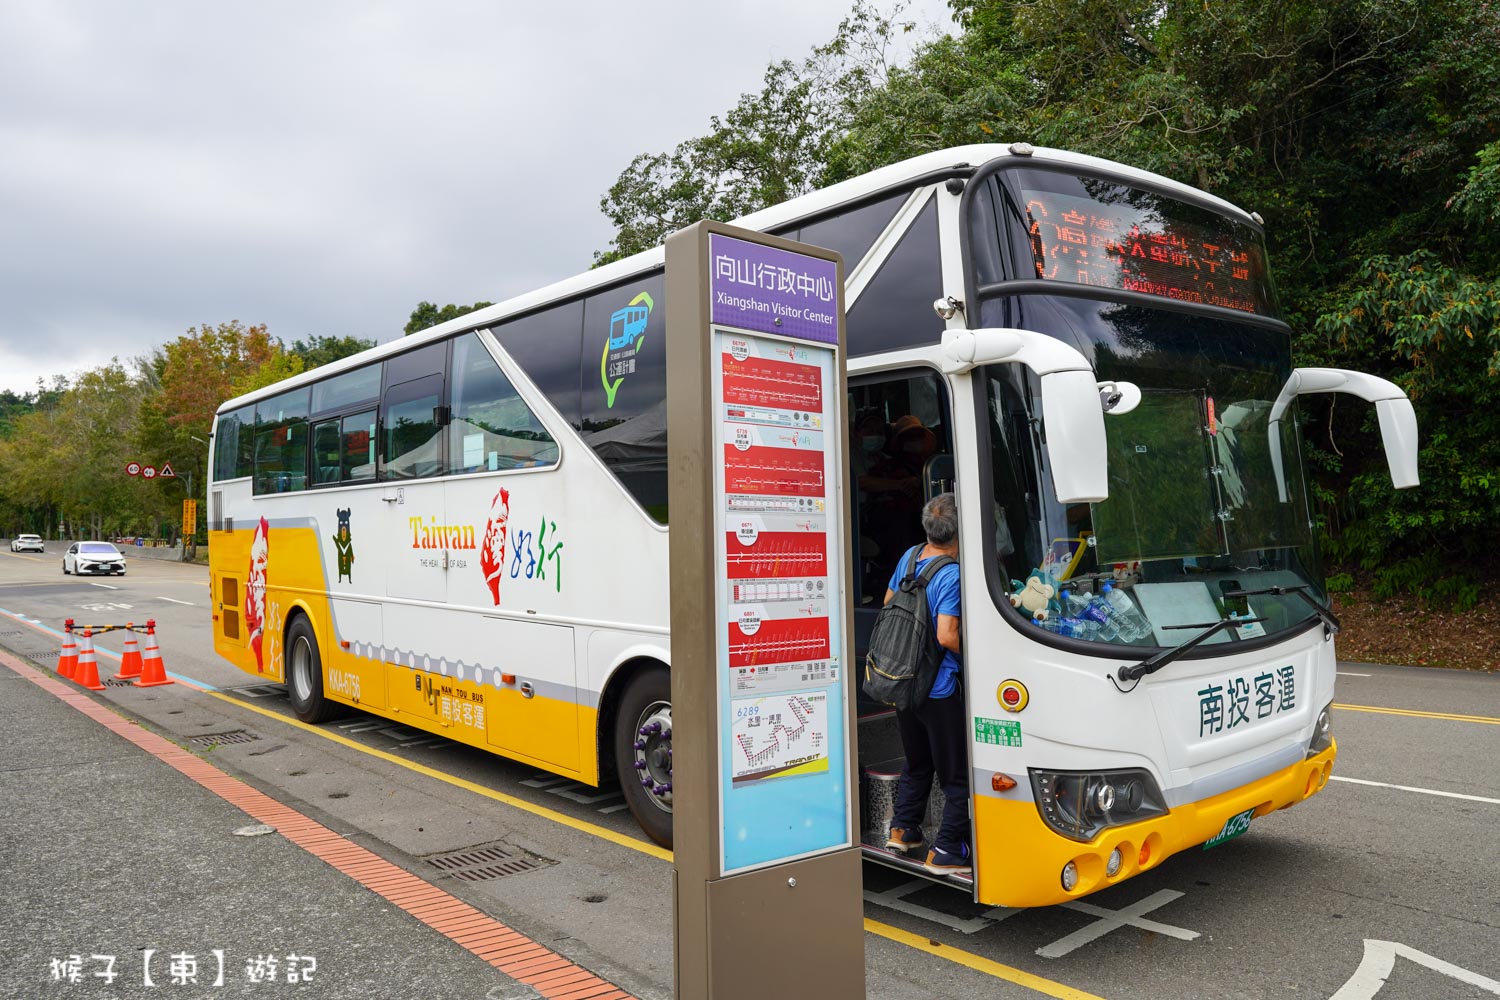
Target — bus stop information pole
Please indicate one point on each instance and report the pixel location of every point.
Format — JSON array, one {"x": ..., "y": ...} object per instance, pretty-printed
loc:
[{"x": 766, "y": 881}]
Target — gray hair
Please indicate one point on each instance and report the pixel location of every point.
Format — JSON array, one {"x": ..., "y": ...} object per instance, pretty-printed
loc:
[{"x": 940, "y": 519}]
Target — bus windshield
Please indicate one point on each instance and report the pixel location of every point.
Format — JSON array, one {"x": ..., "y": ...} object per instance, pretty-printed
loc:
[{"x": 1194, "y": 518}]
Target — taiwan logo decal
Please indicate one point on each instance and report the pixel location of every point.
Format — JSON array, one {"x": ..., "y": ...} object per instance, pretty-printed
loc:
[
  {"x": 255, "y": 591},
  {"x": 627, "y": 331},
  {"x": 344, "y": 544},
  {"x": 492, "y": 552}
]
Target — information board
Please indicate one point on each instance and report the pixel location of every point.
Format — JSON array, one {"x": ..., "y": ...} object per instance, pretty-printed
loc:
[{"x": 782, "y": 702}]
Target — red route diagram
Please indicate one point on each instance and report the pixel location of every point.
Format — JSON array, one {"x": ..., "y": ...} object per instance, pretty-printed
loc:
[
  {"x": 779, "y": 641},
  {"x": 762, "y": 382},
  {"x": 782, "y": 471},
  {"x": 801, "y": 711},
  {"x": 776, "y": 553}
]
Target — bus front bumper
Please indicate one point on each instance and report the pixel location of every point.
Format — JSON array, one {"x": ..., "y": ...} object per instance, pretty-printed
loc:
[{"x": 1021, "y": 859}]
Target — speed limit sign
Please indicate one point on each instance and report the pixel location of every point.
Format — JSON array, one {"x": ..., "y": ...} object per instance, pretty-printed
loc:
[
  {"x": 133, "y": 469},
  {"x": 149, "y": 472}
]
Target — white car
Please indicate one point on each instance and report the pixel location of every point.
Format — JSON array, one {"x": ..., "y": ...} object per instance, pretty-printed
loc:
[
  {"x": 93, "y": 557},
  {"x": 28, "y": 543}
]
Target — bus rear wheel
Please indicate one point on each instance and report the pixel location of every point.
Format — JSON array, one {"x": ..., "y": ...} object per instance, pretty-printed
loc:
[
  {"x": 643, "y": 751},
  {"x": 304, "y": 674}
]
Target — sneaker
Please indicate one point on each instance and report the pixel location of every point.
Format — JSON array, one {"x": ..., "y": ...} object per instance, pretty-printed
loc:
[
  {"x": 943, "y": 863},
  {"x": 902, "y": 839}
]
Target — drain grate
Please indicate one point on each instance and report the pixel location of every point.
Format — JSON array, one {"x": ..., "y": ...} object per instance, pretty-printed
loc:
[
  {"x": 13, "y": 631},
  {"x": 211, "y": 740},
  {"x": 480, "y": 864},
  {"x": 49, "y": 654},
  {"x": 258, "y": 690}
]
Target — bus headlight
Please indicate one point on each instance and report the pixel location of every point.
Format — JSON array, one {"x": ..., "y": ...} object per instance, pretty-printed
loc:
[
  {"x": 1080, "y": 804},
  {"x": 1322, "y": 737}
]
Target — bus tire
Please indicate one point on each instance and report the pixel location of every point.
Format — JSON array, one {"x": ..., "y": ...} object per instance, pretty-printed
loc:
[
  {"x": 304, "y": 674},
  {"x": 643, "y": 751}
]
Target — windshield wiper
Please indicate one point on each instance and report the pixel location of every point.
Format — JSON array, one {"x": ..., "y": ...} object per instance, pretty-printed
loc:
[
  {"x": 1330, "y": 621},
  {"x": 1155, "y": 663}
]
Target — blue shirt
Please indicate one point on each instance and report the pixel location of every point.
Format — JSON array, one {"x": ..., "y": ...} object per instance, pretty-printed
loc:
[{"x": 942, "y": 599}]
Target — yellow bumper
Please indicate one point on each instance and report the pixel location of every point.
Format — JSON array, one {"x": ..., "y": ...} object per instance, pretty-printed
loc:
[{"x": 1021, "y": 859}]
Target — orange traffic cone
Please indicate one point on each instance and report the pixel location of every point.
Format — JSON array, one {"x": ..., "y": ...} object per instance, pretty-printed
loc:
[
  {"x": 130, "y": 660},
  {"x": 67, "y": 660},
  {"x": 88, "y": 667},
  {"x": 153, "y": 671}
]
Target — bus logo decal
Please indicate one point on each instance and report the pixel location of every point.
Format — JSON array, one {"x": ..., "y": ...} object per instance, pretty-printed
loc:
[
  {"x": 492, "y": 555},
  {"x": 344, "y": 545},
  {"x": 432, "y": 535},
  {"x": 255, "y": 590},
  {"x": 627, "y": 331}
]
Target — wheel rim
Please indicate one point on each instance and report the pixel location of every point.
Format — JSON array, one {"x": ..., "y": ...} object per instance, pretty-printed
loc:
[
  {"x": 653, "y": 754},
  {"x": 302, "y": 668}
]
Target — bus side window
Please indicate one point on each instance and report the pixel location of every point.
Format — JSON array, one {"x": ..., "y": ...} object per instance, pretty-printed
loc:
[
  {"x": 281, "y": 443},
  {"x": 413, "y": 442},
  {"x": 492, "y": 426}
]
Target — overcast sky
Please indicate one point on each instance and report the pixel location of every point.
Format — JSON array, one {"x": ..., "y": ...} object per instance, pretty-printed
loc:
[{"x": 323, "y": 167}]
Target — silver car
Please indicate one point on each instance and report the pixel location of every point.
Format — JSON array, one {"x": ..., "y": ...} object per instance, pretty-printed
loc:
[
  {"x": 28, "y": 543},
  {"x": 93, "y": 557}
]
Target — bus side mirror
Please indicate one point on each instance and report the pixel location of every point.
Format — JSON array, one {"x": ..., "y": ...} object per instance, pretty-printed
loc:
[
  {"x": 1398, "y": 419},
  {"x": 1072, "y": 415}
]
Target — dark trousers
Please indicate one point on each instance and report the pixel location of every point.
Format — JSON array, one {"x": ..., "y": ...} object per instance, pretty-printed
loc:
[{"x": 935, "y": 738}]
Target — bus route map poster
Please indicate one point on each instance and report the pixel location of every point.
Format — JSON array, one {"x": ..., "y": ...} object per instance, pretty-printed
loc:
[{"x": 783, "y": 746}]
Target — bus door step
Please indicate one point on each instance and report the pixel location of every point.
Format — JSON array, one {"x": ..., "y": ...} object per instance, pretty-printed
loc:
[{"x": 877, "y": 794}]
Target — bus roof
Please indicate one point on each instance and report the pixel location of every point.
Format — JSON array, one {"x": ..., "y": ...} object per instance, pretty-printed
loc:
[{"x": 953, "y": 161}]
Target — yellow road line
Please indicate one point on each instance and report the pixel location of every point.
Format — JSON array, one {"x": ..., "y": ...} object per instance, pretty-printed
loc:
[
  {"x": 977, "y": 962},
  {"x": 956, "y": 955},
  {"x": 1485, "y": 719},
  {"x": 581, "y": 825}
]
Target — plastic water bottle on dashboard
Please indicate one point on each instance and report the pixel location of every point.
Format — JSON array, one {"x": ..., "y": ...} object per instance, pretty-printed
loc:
[
  {"x": 1101, "y": 613},
  {"x": 1131, "y": 621}
]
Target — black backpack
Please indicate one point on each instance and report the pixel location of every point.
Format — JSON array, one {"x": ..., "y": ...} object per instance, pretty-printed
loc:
[{"x": 904, "y": 653}]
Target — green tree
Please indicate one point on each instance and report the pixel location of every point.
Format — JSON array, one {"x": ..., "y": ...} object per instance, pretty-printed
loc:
[
  {"x": 1364, "y": 131},
  {"x": 317, "y": 351},
  {"x": 426, "y": 314},
  {"x": 771, "y": 146}
]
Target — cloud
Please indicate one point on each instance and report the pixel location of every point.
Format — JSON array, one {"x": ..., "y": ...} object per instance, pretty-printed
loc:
[{"x": 323, "y": 167}]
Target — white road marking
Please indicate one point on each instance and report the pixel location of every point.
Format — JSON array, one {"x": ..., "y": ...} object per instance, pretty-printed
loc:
[
  {"x": 1345, "y": 673},
  {"x": 176, "y": 601},
  {"x": 1420, "y": 791},
  {"x": 104, "y": 585},
  {"x": 1380, "y": 960},
  {"x": 1113, "y": 919},
  {"x": 893, "y": 899}
]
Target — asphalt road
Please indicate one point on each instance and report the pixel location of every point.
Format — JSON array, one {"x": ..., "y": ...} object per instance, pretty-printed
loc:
[{"x": 1386, "y": 885}]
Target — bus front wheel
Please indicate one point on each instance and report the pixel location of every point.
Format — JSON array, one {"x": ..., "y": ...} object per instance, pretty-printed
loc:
[
  {"x": 304, "y": 674},
  {"x": 643, "y": 751}
]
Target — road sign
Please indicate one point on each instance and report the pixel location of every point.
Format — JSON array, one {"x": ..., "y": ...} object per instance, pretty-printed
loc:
[
  {"x": 149, "y": 472},
  {"x": 166, "y": 471},
  {"x": 133, "y": 469},
  {"x": 189, "y": 517}
]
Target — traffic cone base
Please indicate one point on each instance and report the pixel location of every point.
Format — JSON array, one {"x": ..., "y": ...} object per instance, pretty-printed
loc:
[
  {"x": 130, "y": 661},
  {"x": 67, "y": 660},
  {"x": 88, "y": 667},
  {"x": 153, "y": 671}
]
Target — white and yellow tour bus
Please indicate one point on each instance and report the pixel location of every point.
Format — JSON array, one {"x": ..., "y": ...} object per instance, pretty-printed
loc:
[{"x": 466, "y": 530}]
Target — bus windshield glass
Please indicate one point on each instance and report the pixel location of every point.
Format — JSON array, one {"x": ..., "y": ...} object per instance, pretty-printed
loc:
[{"x": 1196, "y": 517}]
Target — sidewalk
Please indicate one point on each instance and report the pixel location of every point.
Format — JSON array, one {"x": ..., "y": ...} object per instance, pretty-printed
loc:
[{"x": 111, "y": 853}]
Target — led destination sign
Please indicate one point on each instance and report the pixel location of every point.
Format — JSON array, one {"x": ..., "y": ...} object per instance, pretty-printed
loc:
[{"x": 1111, "y": 236}]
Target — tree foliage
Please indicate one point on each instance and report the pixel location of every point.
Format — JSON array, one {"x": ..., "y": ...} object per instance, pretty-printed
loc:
[
  {"x": 64, "y": 449},
  {"x": 316, "y": 351},
  {"x": 426, "y": 314},
  {"x": 1366, "y": 132}
]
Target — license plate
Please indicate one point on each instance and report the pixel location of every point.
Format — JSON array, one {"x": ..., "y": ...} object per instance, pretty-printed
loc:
[{"x": 1233, "y": 827}]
